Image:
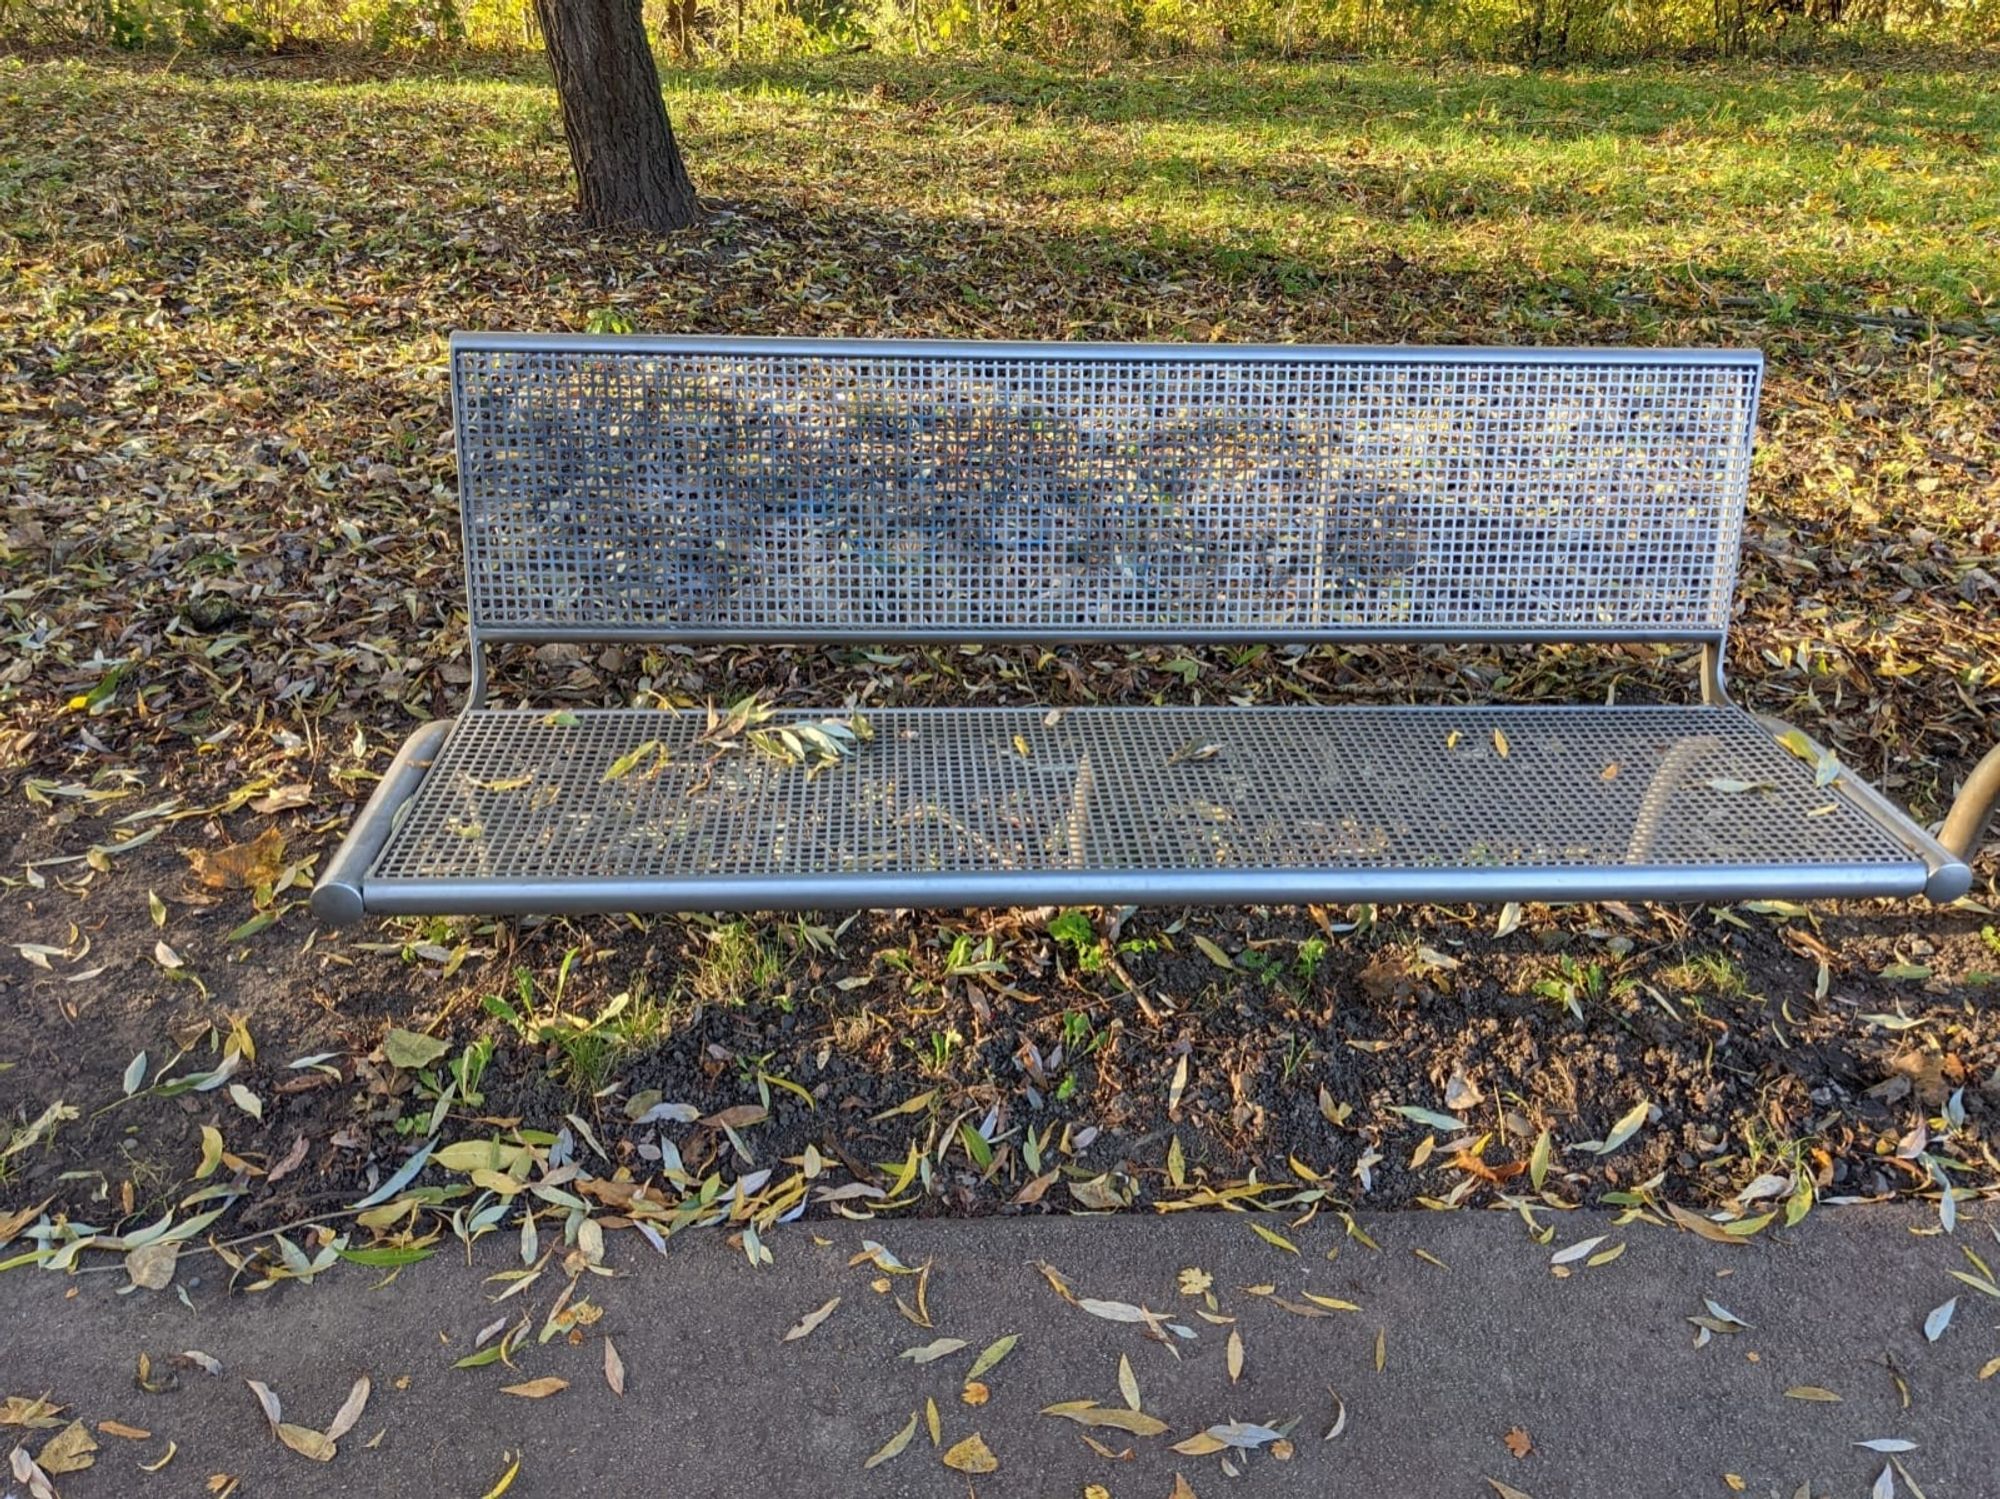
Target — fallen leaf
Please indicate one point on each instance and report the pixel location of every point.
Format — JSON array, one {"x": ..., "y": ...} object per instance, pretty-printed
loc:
[
  {"x": 974, "y": 1393},
  {"x": 1519, "y": 1442},
  {"x": 151, "y": 1266},
  {"x": 537, "y": 1389},
  {"x": 1579, "y": 1250},
  {"x": 1887, "y": 1444},
  {"x": 895, "y": 1445},
  {"x": 120, "y": 1429},
  {"x": 268, "y": 1399},
  {"x": 972, "y": 1456},
  {"x": 1507, "y": 1490},
  {"x": 932, "y": 1351},
  {"x": 412, "y": 1050},
  {"x": 19, "y": 1410},
  {"x": 68, "y": 1451},
  {"x": 933, "y": 1422},
  {"x": 241, "y": 866},
  {"x": 1118, "y": 1418},
  {"x": 1627, "y": 1126},
  {"x": 1812, "y": 1392},
  {"x": 614, "y": 1368},
  {"x": 306, "y": 1442},
  {"x": 809, "y": 1321},
  {"x": 349, "y": 1414},
  {"x": 1128, "y": 1384},
  {"x": 1235, "y": 1355},
  {"x": 1939, "y": 1319},
  {"x": 506, "y": 1479},
  {"x": 990, "y": 1358},
  {"x": 1276, "y": 1240}
]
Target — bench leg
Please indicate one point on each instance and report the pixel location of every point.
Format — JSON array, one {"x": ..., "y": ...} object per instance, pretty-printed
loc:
[
  {"x": 1714, "y": 685},
  {"x": 1978, "y": 799}
]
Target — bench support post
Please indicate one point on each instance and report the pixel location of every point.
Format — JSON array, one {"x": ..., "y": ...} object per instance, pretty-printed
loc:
[
  {"x": 476, "y": 697},
  {"x": 1714, "y": 685},
  {"x": 1978, "y": 799}
]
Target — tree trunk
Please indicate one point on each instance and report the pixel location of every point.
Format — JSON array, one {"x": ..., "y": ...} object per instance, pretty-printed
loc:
[{"x": 628, "y": 169}]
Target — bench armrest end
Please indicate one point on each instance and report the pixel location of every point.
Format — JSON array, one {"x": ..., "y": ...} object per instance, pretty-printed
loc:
[
  {"x": 338, "y": 898},
  {"x": 1978, "y": 799}
]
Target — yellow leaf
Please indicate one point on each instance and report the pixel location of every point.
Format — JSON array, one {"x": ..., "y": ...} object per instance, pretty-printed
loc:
[
  {"x": 894, "y": 1446},
  {"x": 1811, "y": 1392},
  {"x": 1182, "y": 1489},
  {"x": 1500, "y": 741},
  {"x": 1199, "y": 1445},
  {"x": 537, "y": 1389},
  {"x": 306, "y": 1442},
  {"x": 933, "y": 1422},
  {"x": 972, "y": 1456},
  {"x": 974, "y": 1393},
  {"x": 1275, "y": 1239},
  {"x": 1736, "y": 1484},
  {"x": 1381, "y": 1349},
  {"x": 68, "y": 1451},
  {"x": 1235, "y": 1349},
  {"x": 506, "y": 1481},
  {"x": 1331, "y": 1303},
  {"x": 1128, "y": 1384},
  {"x": 1990, "y": 1368}
]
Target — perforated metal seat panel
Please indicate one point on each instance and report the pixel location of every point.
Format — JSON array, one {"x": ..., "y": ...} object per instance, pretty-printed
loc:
[{"x": 950, "y": 807}]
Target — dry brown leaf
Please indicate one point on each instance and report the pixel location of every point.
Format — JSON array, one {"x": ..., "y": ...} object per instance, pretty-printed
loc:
[
  {"x": 120, "y": 1429},
  {"x": 1507, "y": 1490},
  {"x": 266, "y": 1397},
  {"x": 68, "y": 1451},
  {"x": 974, "y": 1393},
  {"x": 1518, "y": 1441},
  {"x": 241, "y": 866},
  {"x": 306, "y": 1442},
  {"x": 972, "y": 1456},
  {"x": 349, "y": 1414},
  {"x": 536, "y": 1389},
  {"x": 614, "y": 1368},
  {"x": 737, "y": 1116},
  {"x": 1235, "y": 1355},
  {"x": 1182, "y": 1489},
  {"x": 809, "y": 1321},
  {"x": 19, "y": 1410}
]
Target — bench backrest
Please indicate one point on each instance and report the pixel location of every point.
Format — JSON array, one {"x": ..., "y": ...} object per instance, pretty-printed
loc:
[{"x": 717, "y": 489}]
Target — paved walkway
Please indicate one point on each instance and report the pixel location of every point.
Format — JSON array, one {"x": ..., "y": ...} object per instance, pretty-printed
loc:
[{"x": 1596, "y": 1370}]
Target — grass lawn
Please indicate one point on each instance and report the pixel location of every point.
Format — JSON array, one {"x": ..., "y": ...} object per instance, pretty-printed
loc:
[{"x": 231, "y": 586}]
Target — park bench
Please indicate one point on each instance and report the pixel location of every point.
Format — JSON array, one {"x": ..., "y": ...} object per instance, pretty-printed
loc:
[{"x": 701, "y": 490}]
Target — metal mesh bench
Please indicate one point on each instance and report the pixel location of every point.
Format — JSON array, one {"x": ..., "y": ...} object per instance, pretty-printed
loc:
[{"x": 733, "y": 490}]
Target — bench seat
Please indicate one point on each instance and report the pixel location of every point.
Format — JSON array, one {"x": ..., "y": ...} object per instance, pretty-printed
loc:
[{"x": 523, "y": 811}]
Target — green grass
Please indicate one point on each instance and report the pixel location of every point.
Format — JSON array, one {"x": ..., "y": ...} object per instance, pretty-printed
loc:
[{"x": 229, "y": 317}]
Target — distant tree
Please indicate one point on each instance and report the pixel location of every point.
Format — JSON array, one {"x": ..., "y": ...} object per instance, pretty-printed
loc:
[{"x": 628, "y": 169}]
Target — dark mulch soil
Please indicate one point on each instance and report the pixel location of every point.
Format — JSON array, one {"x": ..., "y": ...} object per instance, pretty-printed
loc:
[{"x": 1712, "y": 1015}]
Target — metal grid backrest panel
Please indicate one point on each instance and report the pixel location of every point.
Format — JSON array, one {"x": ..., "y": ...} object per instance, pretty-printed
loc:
[
  {"x": 711, "y": 489},
  {"x": 523, "y": 795}
]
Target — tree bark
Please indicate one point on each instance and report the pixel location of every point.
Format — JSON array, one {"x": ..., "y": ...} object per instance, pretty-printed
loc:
[{"x": 628, "y": 169}]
